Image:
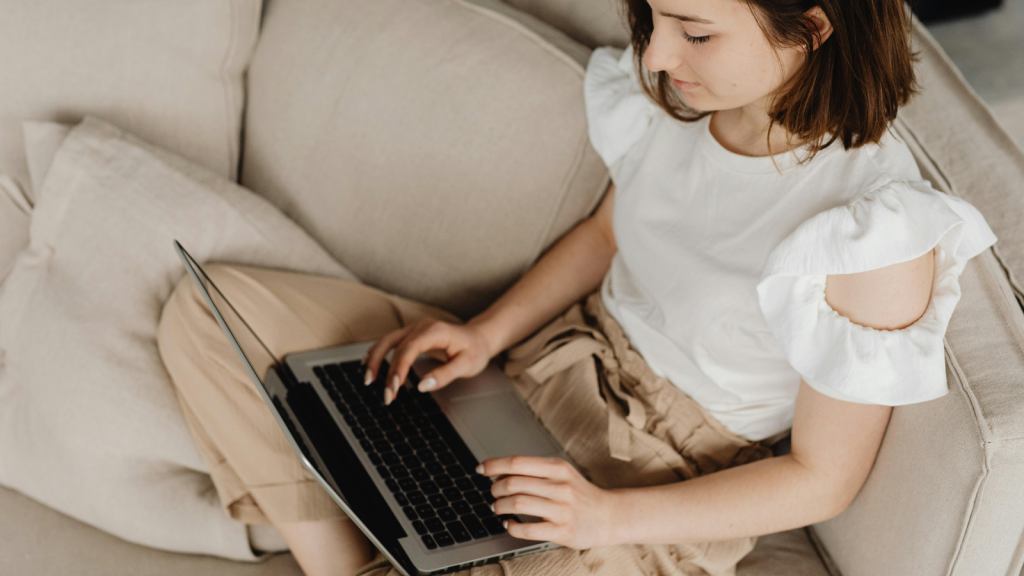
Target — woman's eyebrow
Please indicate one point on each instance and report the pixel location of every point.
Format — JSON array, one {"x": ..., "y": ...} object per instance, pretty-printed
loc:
[{"x": 685, "y": 18}]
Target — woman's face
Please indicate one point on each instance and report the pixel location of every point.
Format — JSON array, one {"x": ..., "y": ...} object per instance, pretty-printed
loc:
[{"x": 715, "y": 53}]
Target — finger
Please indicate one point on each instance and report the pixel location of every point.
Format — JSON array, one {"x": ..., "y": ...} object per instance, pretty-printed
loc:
[
  {"x": 534, "y": 530},
  {"x": 375, "y": 355},
  {"x": 417, "y": 342},
  {"x": 552, "y": 490},
  {"x": 540, "y": 467},
  {"x": 534, "y": 506},
  {"x": 458, "y": 367}
]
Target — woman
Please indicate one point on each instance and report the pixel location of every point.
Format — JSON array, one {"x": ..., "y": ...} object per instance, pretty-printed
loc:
[{"x": 767, "y": 259}]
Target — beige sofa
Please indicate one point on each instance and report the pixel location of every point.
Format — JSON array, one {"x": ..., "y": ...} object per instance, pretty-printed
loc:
[{"x": 356, "y": 139}]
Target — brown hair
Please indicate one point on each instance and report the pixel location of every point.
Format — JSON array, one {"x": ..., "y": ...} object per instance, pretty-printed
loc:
[{"x": 848, "y": 89}]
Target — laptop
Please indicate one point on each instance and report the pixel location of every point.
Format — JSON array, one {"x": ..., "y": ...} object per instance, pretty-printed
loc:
[{"x": 404, "y": 473}]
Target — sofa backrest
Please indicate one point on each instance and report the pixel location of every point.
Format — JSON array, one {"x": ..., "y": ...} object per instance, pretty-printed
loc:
[
  {"x": 946, "y": 494},
  {"x": 435, "y": 147}
]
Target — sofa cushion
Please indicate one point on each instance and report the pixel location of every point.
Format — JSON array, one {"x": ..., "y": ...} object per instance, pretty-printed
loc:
[
  {"x": 89, "y": 420},
  {"x": 435, "y": 147},
  {"x": 592, "y": 22},
  {"x": 169, "y": 71}
]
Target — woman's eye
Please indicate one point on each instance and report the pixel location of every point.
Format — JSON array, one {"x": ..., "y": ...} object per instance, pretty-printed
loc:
[{"x": 696, "y": 39}]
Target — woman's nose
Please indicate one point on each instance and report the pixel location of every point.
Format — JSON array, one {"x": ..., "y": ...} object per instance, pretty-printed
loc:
[{"x": 662, "y": 54}]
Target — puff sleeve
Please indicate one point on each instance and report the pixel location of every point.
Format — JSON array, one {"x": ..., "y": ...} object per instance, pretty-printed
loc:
[
  {"x": 897, "y": 222},
  {"x": 618, "y": 112}
]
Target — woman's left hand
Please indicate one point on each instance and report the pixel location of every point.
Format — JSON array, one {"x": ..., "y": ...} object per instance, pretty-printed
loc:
[{"x": 575, "y": 513}]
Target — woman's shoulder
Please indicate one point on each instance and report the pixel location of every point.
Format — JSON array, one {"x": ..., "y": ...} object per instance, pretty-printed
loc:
[
  {"x": 895, "y": 223},
  {"x": 618, "y": 110}
]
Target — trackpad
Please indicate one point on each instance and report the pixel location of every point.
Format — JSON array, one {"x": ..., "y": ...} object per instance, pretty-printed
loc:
[{"x": 496, "y": 423}]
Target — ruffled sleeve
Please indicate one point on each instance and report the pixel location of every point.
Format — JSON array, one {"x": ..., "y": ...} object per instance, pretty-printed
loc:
[
  {"x": 618, "y": 111},
  {"x": 894, "y": 223}
]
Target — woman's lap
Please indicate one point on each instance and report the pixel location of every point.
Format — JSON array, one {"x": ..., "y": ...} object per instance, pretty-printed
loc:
[{"x": 621, "y": 424}]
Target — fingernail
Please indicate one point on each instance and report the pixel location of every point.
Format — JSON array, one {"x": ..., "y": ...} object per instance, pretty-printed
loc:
[
  {"x": 428, "y": 384},
  {"x": 368, "y": 379},
  {"x": 479, "y": 468},
  {"x": 387, "y": 396},
  {"x": 492, "y": 508},
  {"x": 504, "y": 524}
]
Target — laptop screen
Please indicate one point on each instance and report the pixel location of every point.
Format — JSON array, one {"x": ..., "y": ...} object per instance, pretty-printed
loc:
[{"x": 255, "y": 354}]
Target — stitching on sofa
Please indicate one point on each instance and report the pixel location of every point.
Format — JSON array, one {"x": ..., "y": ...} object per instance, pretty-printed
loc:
[
  {"x": 1018, "y": 288},
  {"x": 1014, "y": 323},
  {"x": 819, "y": 547},
  {"x": 547, "y": 46},
  {"x": 986, "y": 443},
  {"x": 234, "y": 157}
]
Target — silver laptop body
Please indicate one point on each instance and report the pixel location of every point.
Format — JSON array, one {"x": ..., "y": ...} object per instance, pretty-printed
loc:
[{"x": 486, "y": 412}]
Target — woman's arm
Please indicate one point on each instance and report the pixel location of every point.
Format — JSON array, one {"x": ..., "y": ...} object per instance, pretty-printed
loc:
[
  {"x": 834, "y": 444},
  {"x": 571, "y": 269}
]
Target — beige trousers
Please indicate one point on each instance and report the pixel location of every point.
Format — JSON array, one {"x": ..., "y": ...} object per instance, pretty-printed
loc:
[{"x": 622, "y": 424}]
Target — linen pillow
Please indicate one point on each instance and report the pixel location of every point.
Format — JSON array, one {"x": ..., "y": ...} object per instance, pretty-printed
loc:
[
  {"x": 438, "y": 166},
  {"x": 168, "y": 71},
  {"x": 89, "y": 421}
]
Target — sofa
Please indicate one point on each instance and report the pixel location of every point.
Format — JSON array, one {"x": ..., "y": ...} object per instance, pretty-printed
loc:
[{"x": 436, "y": 148}]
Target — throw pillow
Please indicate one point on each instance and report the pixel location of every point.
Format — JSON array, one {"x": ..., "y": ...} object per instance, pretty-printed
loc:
[{"x": 89, "y": 422}]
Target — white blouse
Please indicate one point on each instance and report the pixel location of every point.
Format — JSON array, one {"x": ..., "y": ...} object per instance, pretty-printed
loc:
[{"x": 719, "y": 281}]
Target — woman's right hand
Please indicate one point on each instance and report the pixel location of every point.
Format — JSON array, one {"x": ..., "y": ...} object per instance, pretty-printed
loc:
[{"x": 462, "y": 347}]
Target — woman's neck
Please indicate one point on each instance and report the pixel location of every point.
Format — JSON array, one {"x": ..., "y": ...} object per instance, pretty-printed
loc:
[{"x": 744, "y": 131}]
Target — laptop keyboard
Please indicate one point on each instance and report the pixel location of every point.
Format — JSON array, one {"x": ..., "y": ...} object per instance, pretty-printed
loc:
[{"x": 421, "y": 458}]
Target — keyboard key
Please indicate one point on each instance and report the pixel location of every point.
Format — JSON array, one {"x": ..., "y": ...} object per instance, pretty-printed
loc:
[
  {"x": 482, "y": 482},
  {"x": 426, "y": 456},
  {"x": 412, "y": 461},
  {"x": 493, "y": 525},
  {"x": 428, "y": 541},
  {"x": 360, "y": 433},
  {"x": 367, "y": 447},
  {"x": 434, "y": 468},
  {"x": 444, "y": 539},
  {"x": 401, "y": 499},
  {"x": 482, "y": 510},
  {"x": 383, "y": 471},
  {"x": 430, "y": 434},
  {"x": 381, "y": 446},
  {"x": 464, "y": 484},
  {"x": 437, "y": 500},
  {"x": 462, "y": 507},
  {"x": 417, "y": 498},
  {"x": 434, "y": 525},
  {"x": 474, "y": 527},
  {"x": 455, "y": 471},
  {"x": 458, "y": 531},
  {"x": 407, "y": 484},
  {"x": 399, "y": 471},
  {"x": 488, "y": 497},
  {"x": 425, "y": 511},
  {"x": 444, "y": 480},
  {"x": 390, "y": 458},
  {"x": 392, "y": 485},
  {"x": 374, "y": 433},
  {"x": 403, "y": 449},
  {"x": 437, "y": 445},
  {"x": 420, "y": 475},
  {"x": 473, "y": 497},
  {"x": 452, "y": 493},
  {"x": 447, "y": 514},
  {"x": 395, "y": 436},
  {"x": 419, "y": 527},
  {"x": 446, "y": 458},
  {"x": 409, "y": 512},
  {"x": 428, "y": 487},
  {"x": 417, "y": 442}
]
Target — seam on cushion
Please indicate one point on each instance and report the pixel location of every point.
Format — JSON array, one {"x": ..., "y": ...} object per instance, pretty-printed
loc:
[
  {"x": 1014, "y": 321},
  {"x": 987, "y": 445},
  {"x": 229, "y": 104},
  {"x": 1015, "y": 285},
  {"x": 546, "y": 45},
  {"x": 931, "y": 159},
  {"x": 819, "y": 547},
  {"x": 566, "y": 185}
]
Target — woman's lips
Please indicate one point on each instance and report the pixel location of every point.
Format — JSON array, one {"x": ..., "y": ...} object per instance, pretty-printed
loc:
[{"x": 685, "y": 86}]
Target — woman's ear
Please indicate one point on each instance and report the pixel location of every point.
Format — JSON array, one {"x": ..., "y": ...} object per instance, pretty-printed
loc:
[{"x": 821, "y": 24}]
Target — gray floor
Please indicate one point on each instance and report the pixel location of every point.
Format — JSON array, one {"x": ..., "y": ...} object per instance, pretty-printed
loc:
[{"x": 989, "y": 50}]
